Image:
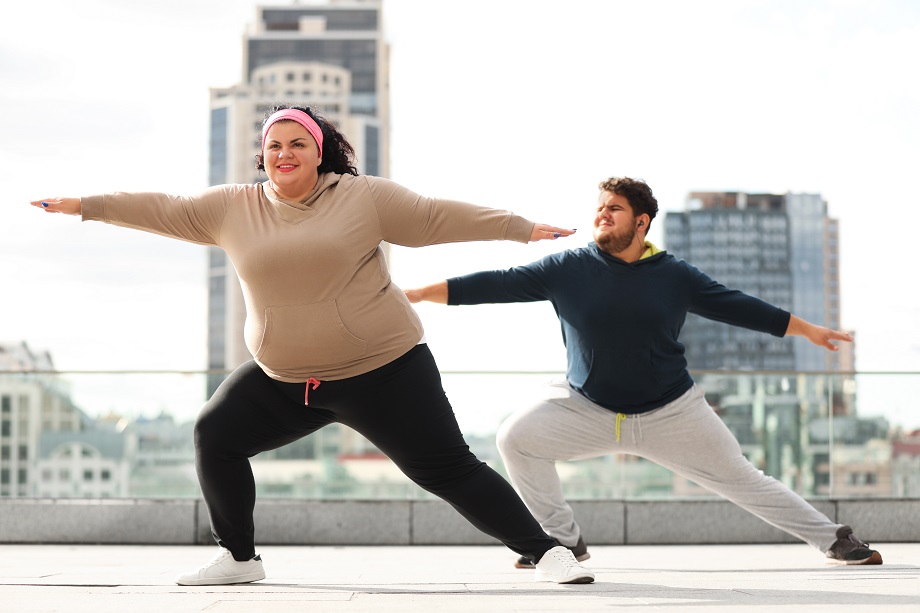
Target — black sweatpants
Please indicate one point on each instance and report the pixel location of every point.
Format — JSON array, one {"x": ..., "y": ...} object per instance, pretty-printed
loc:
[{"x": 401, "y": 408}]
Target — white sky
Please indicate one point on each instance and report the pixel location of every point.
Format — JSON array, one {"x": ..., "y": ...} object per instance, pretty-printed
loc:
[{"x": 515, "y": 104}]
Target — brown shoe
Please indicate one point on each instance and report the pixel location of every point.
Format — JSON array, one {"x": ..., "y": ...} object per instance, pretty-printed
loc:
[{"x": 850, "y": 550}]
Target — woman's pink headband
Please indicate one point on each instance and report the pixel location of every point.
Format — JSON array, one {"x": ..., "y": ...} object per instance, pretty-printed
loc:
[{"x": 301, "y": 118}]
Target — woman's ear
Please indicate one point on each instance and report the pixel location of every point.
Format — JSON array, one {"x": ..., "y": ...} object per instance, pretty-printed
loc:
[{"x": 260, "y": 162}]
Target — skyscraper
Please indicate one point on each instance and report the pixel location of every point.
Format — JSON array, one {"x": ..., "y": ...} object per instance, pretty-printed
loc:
[
  {"x": 330, "y": 56},
  {"x": 784, "y": 249}
]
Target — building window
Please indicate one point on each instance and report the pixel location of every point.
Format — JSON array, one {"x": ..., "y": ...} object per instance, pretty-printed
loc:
[
  {"x": 23, "y": 452},
  {"x": 4, "y": 452},
  {"x": 105, "y": 475},
  {"x": 64, "y": 474},
  {"x": 6, "y": 404},
  {"x": 5, "y": 476},
  {"x": 87, "y": 475},
  {"x": 5, "y": 428},
  {"x": 47, "y": 474}
]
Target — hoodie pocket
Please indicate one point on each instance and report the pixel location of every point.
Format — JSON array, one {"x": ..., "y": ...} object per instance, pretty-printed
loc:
[{"x": 307, "y": 335}]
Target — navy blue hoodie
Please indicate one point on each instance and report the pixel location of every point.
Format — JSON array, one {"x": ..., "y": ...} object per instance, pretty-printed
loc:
[{"x": 621, "y": 321}]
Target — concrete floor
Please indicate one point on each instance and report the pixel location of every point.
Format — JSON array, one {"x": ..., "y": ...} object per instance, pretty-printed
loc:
[{"x": 444, "y": 579}]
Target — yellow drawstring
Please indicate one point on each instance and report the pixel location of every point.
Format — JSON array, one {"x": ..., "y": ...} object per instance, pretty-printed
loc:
[{"x": 620, "y": 417}]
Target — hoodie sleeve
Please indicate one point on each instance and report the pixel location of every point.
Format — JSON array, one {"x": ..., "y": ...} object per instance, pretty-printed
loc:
[
  {"x": 519, "y": 284},
  {"x": 411, "y": 220},
  {"x": 714, "y": 301},
  {"x": 195, "y": 219}
]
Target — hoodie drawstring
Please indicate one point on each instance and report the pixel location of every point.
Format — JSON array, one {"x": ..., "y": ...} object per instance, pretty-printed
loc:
[{"x": 306, "y": 391}]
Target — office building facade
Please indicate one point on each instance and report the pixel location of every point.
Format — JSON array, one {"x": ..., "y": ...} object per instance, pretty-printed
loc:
[{"x": 782, "y": 248}]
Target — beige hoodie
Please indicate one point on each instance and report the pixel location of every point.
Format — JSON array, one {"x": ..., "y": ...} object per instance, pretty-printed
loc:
[{"x": 319, "y": 300}]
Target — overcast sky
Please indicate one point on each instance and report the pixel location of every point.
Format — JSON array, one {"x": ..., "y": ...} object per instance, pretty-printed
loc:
[{"x": 518, "y": 104}]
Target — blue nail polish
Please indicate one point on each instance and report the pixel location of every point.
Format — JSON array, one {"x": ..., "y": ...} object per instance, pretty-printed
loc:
[
  {"x": 44, "y": 204},
  {"x": 556, "y": 235}
]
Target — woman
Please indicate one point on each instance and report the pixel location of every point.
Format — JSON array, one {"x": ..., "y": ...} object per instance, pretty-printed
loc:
[{"x": 333, "y": 339}]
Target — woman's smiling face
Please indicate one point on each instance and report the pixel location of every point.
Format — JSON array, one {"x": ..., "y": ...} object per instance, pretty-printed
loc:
[{"x": 291, "y": 158}]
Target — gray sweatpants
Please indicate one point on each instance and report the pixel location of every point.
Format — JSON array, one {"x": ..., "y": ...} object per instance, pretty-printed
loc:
[{"x": 685, "y": 436}]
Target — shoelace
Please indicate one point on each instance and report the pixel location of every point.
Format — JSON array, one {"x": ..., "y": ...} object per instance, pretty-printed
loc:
[
  {"x": 220, "y": 556},
  {"x": 852, "y": 538},
  {"x": 566, "y": 558}
]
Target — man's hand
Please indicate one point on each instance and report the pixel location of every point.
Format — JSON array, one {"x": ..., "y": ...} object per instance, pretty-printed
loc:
[
  {"x": 819, "y": 335},
  {"x": 436, "y": 292}
]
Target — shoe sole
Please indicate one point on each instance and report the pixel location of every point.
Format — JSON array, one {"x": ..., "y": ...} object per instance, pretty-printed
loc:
[
  {"x": 223, "y": 580},
  {"x": 583, "y": 578},
  {"x": 874, "y": 559},
  {"x": 531, "y": 566}
]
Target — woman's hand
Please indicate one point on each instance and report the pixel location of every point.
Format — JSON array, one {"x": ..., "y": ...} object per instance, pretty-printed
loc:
[
  {"x": 819, "y": 335},
  {"x": 68, "y": 206},
  {"x": 541, "y": 232}
]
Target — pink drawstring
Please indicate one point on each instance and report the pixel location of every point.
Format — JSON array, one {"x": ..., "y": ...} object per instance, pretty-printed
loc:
[{"x": 306, "y": 392}]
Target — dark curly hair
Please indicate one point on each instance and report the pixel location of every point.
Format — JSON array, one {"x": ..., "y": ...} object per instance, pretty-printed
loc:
[
  {"x": 338, "y": 154},
  {"x": 637, "y": 192}
]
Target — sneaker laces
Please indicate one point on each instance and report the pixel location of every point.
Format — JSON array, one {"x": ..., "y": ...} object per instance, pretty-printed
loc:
[
  {"x": 564, "y": 557},
  {"x": 852, "y": 538},
  {"x": 223, "y": 553}
]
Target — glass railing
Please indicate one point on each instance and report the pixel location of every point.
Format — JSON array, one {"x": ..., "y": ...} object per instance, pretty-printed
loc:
[{"x": 129, "y": 434}]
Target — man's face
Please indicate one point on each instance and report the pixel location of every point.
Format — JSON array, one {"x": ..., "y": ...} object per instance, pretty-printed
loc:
[{"x": 614, "y": 223}]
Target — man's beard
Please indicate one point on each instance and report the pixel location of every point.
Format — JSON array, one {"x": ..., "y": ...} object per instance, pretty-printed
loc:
[{"x": 616, "y": 242}]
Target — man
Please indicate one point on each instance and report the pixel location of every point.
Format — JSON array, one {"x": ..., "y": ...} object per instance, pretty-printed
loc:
[{"x": 621, "y": 303}]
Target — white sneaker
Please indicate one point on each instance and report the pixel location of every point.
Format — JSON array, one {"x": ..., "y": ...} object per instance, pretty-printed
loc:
[
  {"x": 223, "y": 570},
  {"x": 559, "y": 565}
]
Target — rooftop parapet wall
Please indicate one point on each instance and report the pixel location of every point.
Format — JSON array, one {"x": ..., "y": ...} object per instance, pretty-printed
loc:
[{"x": 424, "y": 522}]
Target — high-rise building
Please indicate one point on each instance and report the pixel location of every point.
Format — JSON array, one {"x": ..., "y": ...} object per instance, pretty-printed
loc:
[
  {"x": 782, "y": 248},
  {"x": 330, "y": 56}
]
